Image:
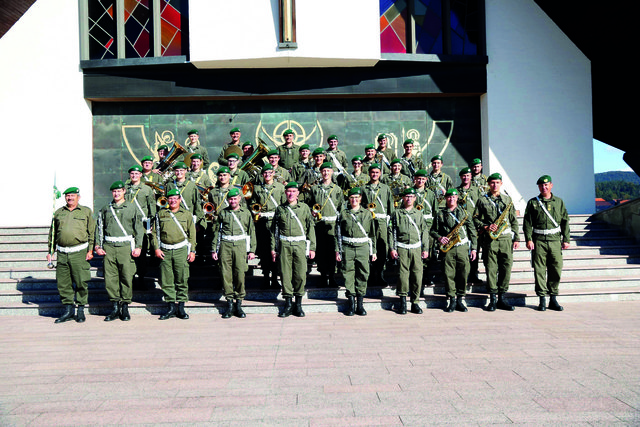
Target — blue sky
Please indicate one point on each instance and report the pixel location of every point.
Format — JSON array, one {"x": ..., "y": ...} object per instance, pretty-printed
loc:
[{"x": 607, "y": 158}]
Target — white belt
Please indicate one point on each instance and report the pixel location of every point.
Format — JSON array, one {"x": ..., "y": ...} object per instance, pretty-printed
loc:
[
  {"x": 118, "y": 239},
  {"x": 381, "y": 216},
  {"x": 428, "y": 216},
  {"x": 354, "y": 240},
  {"x": 72, "y": 249},
  {"x": 174, "y": 247},
  {"x": 267, "y": 214},
  {"x": 546, "y": 232},
  {"x": 329, "y": 218},
  {"x": 234, "y": 238},
  {"x": 293, "y": 238},
  {"x": 409, "y": 246},
  {"x": 462, "y": 242}
]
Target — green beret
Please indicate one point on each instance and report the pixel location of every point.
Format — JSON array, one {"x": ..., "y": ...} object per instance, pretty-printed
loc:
[
  {"x": 247, "y": 144},
  {"x": 233, "y": 192},
  {"x": 355, "y": 191},
  {"x": 381, "y": 136},
  {"x": 409, "y": 190},
  {"x": 369, "y": 147},
  {"x": 464, "y": 171},
  {"x": 374, "y": 166},
  {"x": 291, "y": 184},
  {"x": 180, "y": 165},
  {"x": 196, "y": 156},
  {"x": 173, "y": 192},
  {"x": 273, "y": 152},
  {"x": 193, "y": 131},
  {"x": 318, "y": 151},
  {"x": 136, "y": 168},
  {"x": 421, "y": 172},
  {"x": 267, "y": 167},
  {"x": 146, "y": 159},
  {"x": 436, "y": 157},
  {"x": 494, "y": 176},
  {"x": 163, "y": 147},
  {"x": 451, "y": 192},
  {"x": 116, "y": 185},
  {"x": 332, "y": 137},
  {"x": 232, "y": 156},
  {"x": 287, "y": 132},
  {"x": 304, "y": 147},
  {"x": 356, "y": 159},
  {"x": 476, "y": 162},
  {"x": 544, "y": 179},
  {"x": 72, "y": 190},
  {"x": 223, "y": 169},
  {"x": 394, "y": 161},
  {"x": 326, "y": 165},
  {"x": 234, "y": 130},
  {"x": 408, "y": 141}
]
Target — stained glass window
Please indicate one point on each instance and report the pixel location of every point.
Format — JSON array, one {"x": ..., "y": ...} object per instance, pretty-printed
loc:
[
  {"x": 102, "y": 29},
  {"x": 171, "y": 28},
  {"x": 393, "y": 23},
  {"x": 428, "y": 26},
  {"x": 464, "y": 27},
  {"x": 137, "y": 28}
]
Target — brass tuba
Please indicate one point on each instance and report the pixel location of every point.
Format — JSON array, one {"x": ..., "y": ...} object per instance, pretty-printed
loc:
[
  {"x": 172, "y": 157},
  {"x": 252, "y": 165}
]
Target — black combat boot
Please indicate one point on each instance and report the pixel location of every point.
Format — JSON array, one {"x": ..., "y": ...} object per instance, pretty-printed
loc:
[
  {"x": 360, "y": 311},
  {"x": 69, "y": 314},
  {"x": 503, "y": 304},
  {"x": 402, "y": 306},
  {"x": 80, "y": 315},
  {"x": 124, "y": 312},
  {"x": 239, "y": 311},
  {"x": 297, "y": 308},
  {"x": 115, "y": 313},
  {"x": 415, "y": 308},
  {"x": 451, "y": 306},
  {"x": 543, "y": 304},
  {"x": 460, "y": 304},
  {"x": 493, "y": 300},
  {"x": 553, "y": 304},
  {"x": 227, "y": 314},
  {"x": 181, "y": 314},
  {"x": 351, "y": 307},
  {"x": 286, "y": 312},
  {"x": 170, "y": 313}
]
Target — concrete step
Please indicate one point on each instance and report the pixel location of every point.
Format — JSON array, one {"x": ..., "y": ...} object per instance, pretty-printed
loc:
[
  {"x": 584, "y": 271},
  {"x": 579, "y": 260}
]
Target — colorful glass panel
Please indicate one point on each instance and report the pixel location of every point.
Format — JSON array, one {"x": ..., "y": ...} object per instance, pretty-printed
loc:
[
  {"x": 137, "y": 28},
  {"x": 464, "y": 27},
  {"x": 393, "y": 22},
  {"x": 171, "y": 28},
  {"x": 428, "y": 26},
  {"x": 102, "y": 29}
]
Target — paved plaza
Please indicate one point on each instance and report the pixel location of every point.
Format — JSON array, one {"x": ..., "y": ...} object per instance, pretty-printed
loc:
[{"x": 577, "y": 367}]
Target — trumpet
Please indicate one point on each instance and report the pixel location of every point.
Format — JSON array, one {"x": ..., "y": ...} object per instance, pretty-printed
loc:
[
  {"x": 162, "y": 202},
  {"x": 419, "y": 207},
  {"x": 316, "y": 212},
  {"x": 256, "y": 208},
  {"x": 372, "y": 209}
]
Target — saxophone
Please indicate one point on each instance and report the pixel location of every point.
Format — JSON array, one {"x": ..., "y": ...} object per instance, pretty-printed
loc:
[
  {"x": 454, "y": 235},
  {"x": 501, "y": 222}
]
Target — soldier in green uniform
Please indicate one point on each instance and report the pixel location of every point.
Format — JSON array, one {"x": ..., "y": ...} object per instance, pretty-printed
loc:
[
  {"x": 427, "y": 204},
  {"x": 247, "y": 151},
  {"x": 384, "y": 153},
  {"x": 396, "y": 181},
  {"x": 288, "y": 153},
  {"x": 143, "y": 198},
  {"x": 71, "y": 235},
  {"x": 198, "y": 175},
  {"x": 336, "y": 155},
  {"x": 355, "y": 250},
  {"x": 325, "y": 201},
  {"x": 495, "y": 217},
  {"x": 357, "y": 178},
  {"x": 378, "y": 199},
  {"x": 238, "y": 176},
  {"x": 468, "y": 198},
  {"x": 190, "y": 198},
  {"x": 218, "y": 195},
  {"x": 268, "y": 196},
  {"x": 147, "y": 171},
  {"x": 235, "y": 135},
  {"x": 456, "y": 258},
  {"x": 298, "y": 170},
  {"x": 118, "y": 238},
  {"x": 280, "y": 174},
  {"x": 438, "y": 181},
  {"x": 409, "y": 243},
  {"x": 293, "y": 240},
  {"x": 411, "y": 162},
  {"x": 174, "y": 243},
  {"x": 546, "y": 231},
  {"x": 478, "y": 179},
  {"x": 194, "y": 147},
  {"x": 234, "y": 240}
]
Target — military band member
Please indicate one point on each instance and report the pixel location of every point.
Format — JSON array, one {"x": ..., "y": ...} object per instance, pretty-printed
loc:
[
  {"x": 238, "y": 176},
  {"x": 194, "y": 147},
  {"x": 384, "y": 153},
  {"x": 409, "y": 243},
  {"x": 143, "y": 198},
  {"x": 355, "y": 250},
  {"x": 299, "y": 170},
  {"x": 174, "y": 243},
  {"x": 293, "y": 240},
  {"x": 71, "y": 235},
  {"x": 147, "y": 171},
  {"x": 247, "y": 151},
  {"x": 546, "y": 231},
  {"x": 325, "y": 201},
  {"x": 497, "y": 253},
  {"x": 218, "y": 195},
  {"x": 163, "y": 150},
  {"x": 478, "y": 179},
  {"x": 268, "y": 195},
  {"x": 439, "y": 182},
  {"x": 198, "y": 175},
  {"x": 427, "y": 204},
  {"x": 411, "y": 162},
  {"x": 119, "y": 234},
  {"x": 357, "y": 178},
  {"x": 468, "y": 195},
  {"x": 319, "y": 158},
  {"x": 234, "y": 241},
  {"x": 371, "y": 157},
  {"x": 378, "y": 199},
  {"x": 235, "y": 135},
  {"x": 336, "y": 155},
  {"x": 190, "y": 198},
  {"x": 396, "y": 181},
  {"x": 456, "y": 259},
  {"x": 288, "y": 153},
  {"x": 281, "y": 174}
]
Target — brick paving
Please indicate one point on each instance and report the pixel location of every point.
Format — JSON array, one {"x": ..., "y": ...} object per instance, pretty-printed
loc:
[{"x": 577, "y": 367}]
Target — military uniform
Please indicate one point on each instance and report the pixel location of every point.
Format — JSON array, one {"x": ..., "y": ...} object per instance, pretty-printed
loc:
[
  {"x": 200, "y": 178},
  {"x": 480, "y": 181},
  {"x": 72, "y": 236},
  {"x": 397, "y": 184},
  {"x": 222, "y": 160},
  {"x": 386, "y": 157},
  {"x": 351, "y": 180},
  {"x": 288, "y": 156},
  {"x": 143, "y": 198},
  {"x": 337, "y": 156},
  {"x": 198, "y": 149},
  {"x": 380, "y": 194},
  {"x": 329, "y": 198},
  {"x": 411, "y": 165},
  {"x": 191, "y": 200},
  {"x": 439, "y": 183}
]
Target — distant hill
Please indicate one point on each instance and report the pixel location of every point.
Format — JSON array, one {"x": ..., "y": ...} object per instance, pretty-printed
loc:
[{"x": 618, "y": 176}]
